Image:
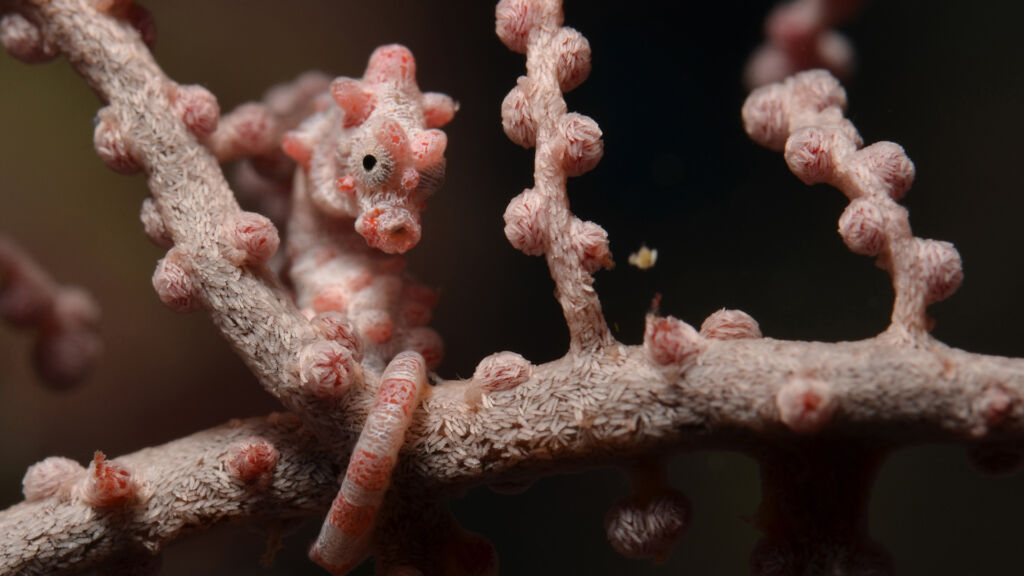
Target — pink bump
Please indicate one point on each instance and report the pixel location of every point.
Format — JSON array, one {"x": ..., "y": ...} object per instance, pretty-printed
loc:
[
  {"x": 66, "y": 356},
  {"x": 992, "y": 406},
  {"x": 591, "y": 243},
  {"x": 198, "y": 108},
  {"x": 942, "y": 269},
  {"x": 669, "y": 340},
  {"x": 438, "y": 109},
  {"x": 818, "y": 90},
  {"x": 153, "y": 225},
  {"x": 573, "y": 63},
  {"x": 111, "y": 145},
  {"x": 513, "y": 21},
  {"x": 524, "y": 223},
  {"x": 255, "y": 236},
  {"x": 174, "y": 284},
  {"x": 52, "y": 476},
  {"x": 393, "y": 63},
  {"x": 335, "y": 326},
  {"x": 356, "y": 102},
  {"x": 766, "y": 116},
  {"x": 296, "y": 147},
  {"x": 888, "y": 163},
  {"x": 108, "y": 484},
  {"x": 502, "y": 371},
  {"x": 814, "y": 153},
  {"x": 252, "y": 459},
  {"x": 648, "y": 528},
  {"x": 805, "y": 405},
  {"x": 581, "y": 143},
  {"x": 23, "y": 40},
  {"x": 326, "y": 368},
  {"x": 862, "y": 227},
  {"x": 730, "y": 325},
  {"x": 517, "y": 116}
]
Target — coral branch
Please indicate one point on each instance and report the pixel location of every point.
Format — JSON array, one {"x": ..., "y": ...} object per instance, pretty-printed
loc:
[
  {"x": 183, "y": 486},
  {"x": 804, "y": 116},
  {"x": 64, "y": 317},
  {"x": 539, "y": 221},
  {"x": 799, "y": 37}
]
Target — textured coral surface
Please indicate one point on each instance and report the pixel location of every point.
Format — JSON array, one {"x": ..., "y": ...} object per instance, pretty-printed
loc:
[{"x": 732, "y": 226}]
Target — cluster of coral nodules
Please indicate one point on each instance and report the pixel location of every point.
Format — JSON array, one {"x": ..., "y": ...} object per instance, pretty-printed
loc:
[
  {"x": 804, "y": 117},
  {"x": 378, "y": 155},
  {"x": 534, "y": 113},
  {"x": 104, "y": 484},
  {"x": 800, "y": 37}
]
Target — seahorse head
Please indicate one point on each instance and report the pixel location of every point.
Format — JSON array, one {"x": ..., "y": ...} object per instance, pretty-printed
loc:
[{"x": 376, "y": 154}]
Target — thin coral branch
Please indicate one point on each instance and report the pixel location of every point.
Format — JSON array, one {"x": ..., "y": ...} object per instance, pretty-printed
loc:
[
  {"x": 63, "y": 318},
  {"x": 538, "y": 221}
]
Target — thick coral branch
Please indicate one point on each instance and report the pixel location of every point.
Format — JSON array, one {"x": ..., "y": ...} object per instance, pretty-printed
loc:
[
  {"x": 219, "y": 475},
  {"x": 569, "y": 415}
]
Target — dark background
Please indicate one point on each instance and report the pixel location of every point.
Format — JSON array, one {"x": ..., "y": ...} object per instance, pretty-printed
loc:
[{"x": 732, "y": 226}]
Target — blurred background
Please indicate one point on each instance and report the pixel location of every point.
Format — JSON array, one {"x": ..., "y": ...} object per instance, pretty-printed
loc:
[{"x": 732, "y": 226}]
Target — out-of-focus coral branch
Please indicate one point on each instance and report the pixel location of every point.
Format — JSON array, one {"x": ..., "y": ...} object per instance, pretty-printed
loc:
[
  {"x": 800, "y": 37},
  {"x": 64, "y": 318}
]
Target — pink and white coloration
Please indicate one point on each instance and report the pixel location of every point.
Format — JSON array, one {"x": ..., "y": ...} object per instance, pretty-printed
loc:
[
  {"x": 340, "y": 332},
  {"x": 729, "y": 325},
  {"x": 252, "y": 460},
  {"x": 376, "y": 155},
  {"x": 502, "y": 371},
  {"x": 799, "y": 37},
  {"x": 805, "y": 405},
  {"x": 108, "y": 485},
  {"x": 51, "y": 477},
  {"x": 347, "y": 533},
  {"x": 63, "y": 318},
  {"x": 670, "y": 341},
  {"x": 174, "y": 284},
  {"x": 534, "y": 113},
  {"x": 804, "y": 115}
]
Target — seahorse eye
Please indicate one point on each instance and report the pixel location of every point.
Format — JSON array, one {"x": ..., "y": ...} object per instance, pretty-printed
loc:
[{"x": 369, "y": 161}]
